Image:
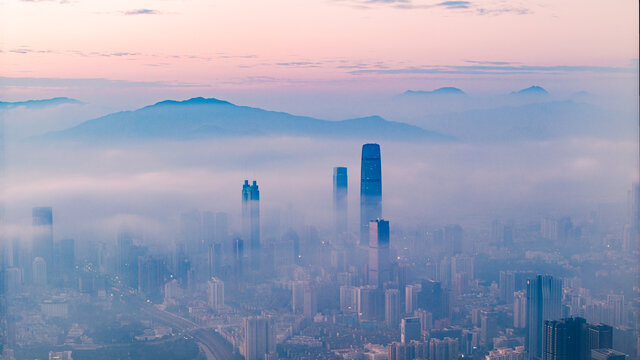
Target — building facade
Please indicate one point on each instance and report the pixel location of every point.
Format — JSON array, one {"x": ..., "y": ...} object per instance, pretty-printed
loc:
[{"x": 370, "y": 189}]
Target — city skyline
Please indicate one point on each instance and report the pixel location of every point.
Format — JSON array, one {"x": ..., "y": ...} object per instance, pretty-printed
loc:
[
  {"x": 319, "y": 179},
  {"x": 378, "y": 300}
]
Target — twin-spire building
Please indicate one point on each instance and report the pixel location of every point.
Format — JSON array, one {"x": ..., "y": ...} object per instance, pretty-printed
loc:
[{"x": 251, "y": 220}]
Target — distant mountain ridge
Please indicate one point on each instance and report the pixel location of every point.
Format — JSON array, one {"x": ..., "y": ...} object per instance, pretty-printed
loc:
[
  {"x": 536, "y": 121},
  {"x": 38, "y": 103},
  {"x": 447, "y": 90},
  {"x": 192, "y": 101},
  {"x": 200, "y": 117},
  {"x": 531, "y": 90}
]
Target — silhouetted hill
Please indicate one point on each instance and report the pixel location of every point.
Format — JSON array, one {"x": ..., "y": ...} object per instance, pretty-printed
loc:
[
  {"x": 532, "y": 90},
  {"x": 213, "y": 118},
  {"x": 37, "y": 104}
]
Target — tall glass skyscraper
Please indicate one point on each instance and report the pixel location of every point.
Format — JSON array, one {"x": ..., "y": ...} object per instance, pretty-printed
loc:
[
  {"x": 379, "y": 261},
  {"x": 544, "y": 302},
  {"x": 251, "y": 220},
  {"x": 43, "y": 235},
  {"x": 340, "y": 199},
  {"x": 370, "y": 189}
]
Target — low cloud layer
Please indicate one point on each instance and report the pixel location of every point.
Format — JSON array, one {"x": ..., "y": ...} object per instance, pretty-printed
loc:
[
  {"x": 86, "y": 82},
  {"x": 93, "y": 189},
  {"x": 427, "y": 184}
]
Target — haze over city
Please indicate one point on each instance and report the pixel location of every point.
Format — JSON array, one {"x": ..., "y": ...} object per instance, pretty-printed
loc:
[{"x": 330, "y": 179}]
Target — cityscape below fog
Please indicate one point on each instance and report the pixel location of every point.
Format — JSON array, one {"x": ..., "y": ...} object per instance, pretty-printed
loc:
[
  {"x": 319, "y": 180},
  {"x": 279, "y": 285}
]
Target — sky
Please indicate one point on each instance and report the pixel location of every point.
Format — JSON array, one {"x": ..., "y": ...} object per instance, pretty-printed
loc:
[
  {"x": 281, "y": 52},
  {"x": 332, "y": 59}
]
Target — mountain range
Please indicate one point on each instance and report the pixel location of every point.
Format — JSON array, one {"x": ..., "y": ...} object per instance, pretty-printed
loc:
[
  {"x": 535, "y": 121},
  {"x": 449, "y": 90},
  {"x": 213, "y": 118},
  {"x": 440, "y": 91}
]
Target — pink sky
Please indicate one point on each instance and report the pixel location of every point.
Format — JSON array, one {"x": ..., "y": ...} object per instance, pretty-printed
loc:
[{"x": 323, "y": 45}]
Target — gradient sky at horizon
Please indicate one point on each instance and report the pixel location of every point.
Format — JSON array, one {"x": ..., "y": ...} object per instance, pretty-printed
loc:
[
  {"x": 170, "y": 48},
  {"x": 332, "y": 59}
]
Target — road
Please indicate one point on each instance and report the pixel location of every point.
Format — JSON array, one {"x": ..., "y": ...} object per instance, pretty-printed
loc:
[
  {"x": 216, "y": 344},
  {"x": 217, "y": 347}
]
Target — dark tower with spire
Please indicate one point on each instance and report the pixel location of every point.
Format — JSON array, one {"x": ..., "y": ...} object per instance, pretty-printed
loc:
[{"x": 370, "y": 189}]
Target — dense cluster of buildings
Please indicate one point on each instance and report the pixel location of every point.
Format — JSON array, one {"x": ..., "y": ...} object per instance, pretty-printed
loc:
[{"x": 284, "y": 289}]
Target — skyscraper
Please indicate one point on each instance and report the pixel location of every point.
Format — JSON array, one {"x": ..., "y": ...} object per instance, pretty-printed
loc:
[
  {"x": 411, "y": 297},
  {"x": 259, "y": 338},
  {"x": 615, "y": 305},
  {"x": 297, "y": 296},
  {"x": 410, "y": 329},
  {"x": 370, "y": 303},
  {"x": 370, "y": 189},
  {"x": 348, "y": 299},
  {"x": 507, "y": 286},
  {"x": 391, "y": 308},
  {"x": 340, "y": 192},
  {"x": 445, "y": 349},
  {"x": 246, "y": 211},
  {"x": 151, "y": 271},
  {"x": 43, "y": 235},
  {"x": 214, "y": 259},
  {"x": 519, "y": 310},
  {"x": 251, "y": 220},
  {"x": 39, "y": 271},
  {"x": 544, "y": 296},
  {"x": 310, "y": 298},
  {"x": 127, "y": 258},
  {"x": 64, "y": 261},
  {"x": 453, "y": 239},
  {"x": 400, "y": 351},
  {"x": 488, "y": 328},
  {"x": 607, "y": 354},
  {"x": 632, "y": 234},
  {"x": 238, "y": 257},
  {"x": 431, "y": 298},
  {"x": 181, "y": 265},
  {"x": 600, "y": 336},
  {"x": 215, "y": 292},
  {"x": 379, "y": 262},
  {"x": 565, "y": 340}
]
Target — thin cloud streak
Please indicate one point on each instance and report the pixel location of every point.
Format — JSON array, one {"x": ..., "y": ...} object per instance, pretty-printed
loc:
[
  {"x": 142, "y": 12},
  {"x": 25, "y": 50},
  {"x": 453, "y": 5},
  {"x": 300, "y": 64},
  {"x": 88, "y": 82},
  {"x": 58, "y": 1},
  {"x": 496, "y": 69},
  {"x": 482, "y": 62}
]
